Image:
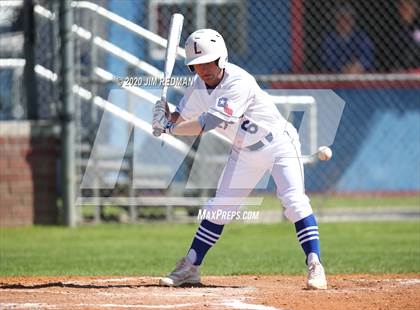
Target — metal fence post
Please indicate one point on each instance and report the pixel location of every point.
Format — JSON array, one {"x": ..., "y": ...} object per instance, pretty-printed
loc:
[
  {"x": 29, "y": 51},
  {"x": 67, "y": 114}
]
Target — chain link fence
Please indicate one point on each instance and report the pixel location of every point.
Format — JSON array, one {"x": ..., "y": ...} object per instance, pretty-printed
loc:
[
  {"x": 23, "y": 36},
  {"x": 11, "y": 46},
  {"x": 367, "y": 52}
]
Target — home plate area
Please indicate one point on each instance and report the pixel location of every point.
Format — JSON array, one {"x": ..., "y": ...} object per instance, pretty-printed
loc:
[{"x": 227, "y": 292}]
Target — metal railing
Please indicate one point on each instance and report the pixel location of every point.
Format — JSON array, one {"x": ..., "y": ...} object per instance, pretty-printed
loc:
[{"x": 123, "y": 55}]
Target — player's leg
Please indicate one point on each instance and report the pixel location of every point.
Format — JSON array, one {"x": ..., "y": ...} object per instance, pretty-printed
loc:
[
  {"x": 210, "y": 230},
  {"x": 288, "y": 174},
  {"x": 238, "y": 179}
]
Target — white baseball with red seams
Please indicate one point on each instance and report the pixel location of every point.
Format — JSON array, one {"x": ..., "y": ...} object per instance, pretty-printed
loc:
[
  {"x": 250, "y": 116},
  {"x": 324, "y": 153}
]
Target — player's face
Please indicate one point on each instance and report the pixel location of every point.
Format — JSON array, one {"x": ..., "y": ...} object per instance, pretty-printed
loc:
[{"x": 209, "y": 72}]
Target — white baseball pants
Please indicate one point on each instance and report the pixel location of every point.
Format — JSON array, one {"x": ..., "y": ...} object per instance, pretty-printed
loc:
[{"x": 245, "y": 168}]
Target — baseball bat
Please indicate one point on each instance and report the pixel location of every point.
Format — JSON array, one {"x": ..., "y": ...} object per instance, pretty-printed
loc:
[{"x": 170, "y": 56}]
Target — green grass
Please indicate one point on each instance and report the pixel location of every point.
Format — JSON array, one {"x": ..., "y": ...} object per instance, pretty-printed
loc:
[
  {"x": 152, "y": 249},
  {"x": 271, "y": 202}
]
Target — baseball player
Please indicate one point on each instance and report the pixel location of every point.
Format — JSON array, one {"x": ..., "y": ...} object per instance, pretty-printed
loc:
[{"x": 226, "y": 98}]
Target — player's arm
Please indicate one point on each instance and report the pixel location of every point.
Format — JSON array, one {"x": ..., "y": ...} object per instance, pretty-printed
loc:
[
  {"x": 195, "y": 127},
  {"x": 227, "y": 109}
]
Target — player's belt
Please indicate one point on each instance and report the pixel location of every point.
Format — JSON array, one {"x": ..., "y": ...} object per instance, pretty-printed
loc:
[{"x": 263, "y": 142}]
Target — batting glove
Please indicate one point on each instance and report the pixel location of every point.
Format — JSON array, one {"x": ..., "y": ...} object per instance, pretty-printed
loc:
[
  {"x": 162, "y": 105},
  {"x": 159, "y": 115}
]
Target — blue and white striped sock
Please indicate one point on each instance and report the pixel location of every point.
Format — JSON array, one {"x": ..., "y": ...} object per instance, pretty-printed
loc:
[
  {"x": 207, "y": 235},
  {"x": 308, "y": 235}
]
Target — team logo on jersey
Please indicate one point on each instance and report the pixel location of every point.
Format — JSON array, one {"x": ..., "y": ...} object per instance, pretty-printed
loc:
[{"x": 222, "y": 102}]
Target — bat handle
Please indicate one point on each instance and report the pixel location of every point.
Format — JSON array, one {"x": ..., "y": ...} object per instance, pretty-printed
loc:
[
  {"x": 157, "y": 132},
  {"x": 164, "y": 92}
]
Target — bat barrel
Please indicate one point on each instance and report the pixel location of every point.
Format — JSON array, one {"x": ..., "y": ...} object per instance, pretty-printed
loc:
[{"x": 171, "y": 48}]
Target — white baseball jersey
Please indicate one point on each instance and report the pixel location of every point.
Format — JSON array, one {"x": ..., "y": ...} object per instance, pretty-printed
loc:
[
  {"x": 249, "y": 115},
  {"x": 248, "y": 112}
]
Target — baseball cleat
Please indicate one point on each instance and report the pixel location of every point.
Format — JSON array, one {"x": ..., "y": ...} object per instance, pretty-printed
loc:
[
  {"x": 184, "y": 273},
  {"x": 316, "y": 277}
]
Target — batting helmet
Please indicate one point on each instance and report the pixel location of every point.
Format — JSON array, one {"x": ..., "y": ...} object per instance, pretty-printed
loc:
[{"x": 203, "y": 46}]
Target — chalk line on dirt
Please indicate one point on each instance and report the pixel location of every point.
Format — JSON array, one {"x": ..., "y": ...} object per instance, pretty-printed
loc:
[
  {"x": 139, "y": 306},
  {"x": 238, "y": 304},
  {"x": 45, "y": 306},
  {"x": 111, "y": 280},
  {"x": 26, "y": 306}
]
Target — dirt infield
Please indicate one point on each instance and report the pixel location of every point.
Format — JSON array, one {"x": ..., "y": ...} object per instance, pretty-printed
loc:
[{"x": 233, "y": 292}]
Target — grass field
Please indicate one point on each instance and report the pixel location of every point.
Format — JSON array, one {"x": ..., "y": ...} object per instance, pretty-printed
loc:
[
  {"x": 152, "y": 249},
  {"x": 271, "y": 202},
  {"x": 324, "y": 201}
]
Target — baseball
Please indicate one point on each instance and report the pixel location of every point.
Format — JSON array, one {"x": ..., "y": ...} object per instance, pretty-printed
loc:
[{"x": 324, "y": 153}]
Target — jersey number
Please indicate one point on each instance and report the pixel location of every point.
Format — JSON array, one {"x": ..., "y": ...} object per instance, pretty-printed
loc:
[{"x": 249, "y": 127}]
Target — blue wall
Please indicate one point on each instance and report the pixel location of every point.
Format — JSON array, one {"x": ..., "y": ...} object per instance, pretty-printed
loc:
[
  {"x": 377, "y": 147},
  {"x": 389, "y": 157},
  {"x": 268, "y": 38},
  {"x": 119, "y": 36}
]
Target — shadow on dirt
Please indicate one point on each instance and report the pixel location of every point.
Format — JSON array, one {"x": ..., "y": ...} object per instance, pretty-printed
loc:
[{"x": 92, "y": 286}]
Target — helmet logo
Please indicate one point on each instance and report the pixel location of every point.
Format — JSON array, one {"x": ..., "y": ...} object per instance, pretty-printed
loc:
[{"x": 196, "y": 49}]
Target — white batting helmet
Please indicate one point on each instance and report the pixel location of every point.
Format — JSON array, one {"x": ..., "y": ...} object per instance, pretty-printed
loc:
[{"x": 203, "y": 46}]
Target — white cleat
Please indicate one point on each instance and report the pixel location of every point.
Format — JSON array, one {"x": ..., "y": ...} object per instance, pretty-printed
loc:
[
  {"x": 316, "y": 273},
  {"x": 316, "y": 277},
  {"x": 184, "y": 273}
]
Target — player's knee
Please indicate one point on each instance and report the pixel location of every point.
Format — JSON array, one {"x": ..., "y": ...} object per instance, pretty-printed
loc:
[
  {"x": 293, "y": 197},
  {"x": 296, "y": 204},
  {"x": 294, "y": 215}
]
